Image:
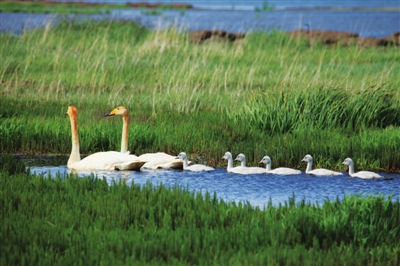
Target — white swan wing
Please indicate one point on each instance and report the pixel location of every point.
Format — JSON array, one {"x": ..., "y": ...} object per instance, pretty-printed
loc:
[
  {"x": 323, "y": 172},
  {"x": 160, "y": 160},
  {"x": 256, "y": 170},
  {"x": 285, "y": 171},
  {"x": 367, "y": 175},
  {"x": 247, "y": 170},
  {"x": 237, "y": 170},
  {"x": 108, "y": 161},
  {"x": 199, "y": 168}
]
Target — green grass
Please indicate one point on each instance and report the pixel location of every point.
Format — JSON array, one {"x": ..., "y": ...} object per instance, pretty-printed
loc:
[
  {"x": 264, "y": 95},
  {"x": 75, "y": 8},
  {"x": 58, "y": 8},
  {"x": 71, "y": 220}
]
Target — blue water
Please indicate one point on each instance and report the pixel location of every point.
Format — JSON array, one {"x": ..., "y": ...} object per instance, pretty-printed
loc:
[
  {"x": 277, "y": 4},
  {"x": 375, "y": 23},
  {"x": 258, "y": 190}
]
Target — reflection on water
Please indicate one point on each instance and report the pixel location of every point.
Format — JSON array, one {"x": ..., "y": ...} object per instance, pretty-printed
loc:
[{"x": 258, "y": 190}]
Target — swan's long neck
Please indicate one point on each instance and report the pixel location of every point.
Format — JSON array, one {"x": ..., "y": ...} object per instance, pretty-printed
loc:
[
  {"x": 351, "y": 168},
  {"x": 243, "y": 162},
  {"x": 185, "y": 163},
  {"x": 74, "y": 156},
  {"x": 124, "y": 140},
  {"x": 230, "y": 163},
  {"x": 309, "y": 166},
  {"x": 268, "y": 166}
]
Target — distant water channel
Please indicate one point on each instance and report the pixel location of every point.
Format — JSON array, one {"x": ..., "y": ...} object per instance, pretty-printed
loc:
[
  {"x": 365, "y": 23},
  {"x": 258, "y": 190}
]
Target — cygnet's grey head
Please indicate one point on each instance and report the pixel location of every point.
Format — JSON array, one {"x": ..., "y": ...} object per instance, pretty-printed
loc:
[
  {"x": 347, "y": 161},
  {"x": 265, "y": 160},
  {"x": 227, "y": 155},
  {"x": 181, "y": 156},
  {"x": 307, "y": 158},
  {"x": 240, "y": 157}
]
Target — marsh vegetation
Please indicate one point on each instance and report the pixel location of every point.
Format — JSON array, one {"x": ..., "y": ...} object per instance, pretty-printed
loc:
[
  {"x": 265, "y": 94},
  {"x": 70, "y": 220}
]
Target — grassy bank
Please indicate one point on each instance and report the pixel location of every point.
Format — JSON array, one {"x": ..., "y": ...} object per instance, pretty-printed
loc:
[
  {"x": 84, "y": 7},
  {"x": 57, "y": 8},
  {"x": 85, "y": 221},
  {"x": 264, "y": 95}
]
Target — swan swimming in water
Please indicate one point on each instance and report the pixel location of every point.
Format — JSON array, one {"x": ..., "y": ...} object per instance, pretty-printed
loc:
[
  {"x": 317, "y": 172},
  {"x": 278, "y": 171},
  {"x": 110, "y": 160},
  {"x": 360, "y": 174},
  {"x": 238, "y": 169},
  {"x": 194, "y": 167},
  {"x": 253, "y": 170},
  {"x": 159, "y": 160}
]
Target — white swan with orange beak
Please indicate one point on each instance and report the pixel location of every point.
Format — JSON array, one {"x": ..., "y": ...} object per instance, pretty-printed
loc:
[
  {"x": 159, "y": 160},
  {"x": 110, "y": 160}
]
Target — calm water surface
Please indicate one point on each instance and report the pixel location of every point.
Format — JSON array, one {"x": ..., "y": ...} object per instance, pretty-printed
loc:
[
  {"x": 258, "y": 190},
  {"x": 365, "y": 23},
  {"x": 277, "y": 4}
]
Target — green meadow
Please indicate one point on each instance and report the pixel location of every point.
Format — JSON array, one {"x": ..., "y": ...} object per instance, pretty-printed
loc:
[
  {"x": 264, "y": 95},
  {"x": 85, "y": 221}
]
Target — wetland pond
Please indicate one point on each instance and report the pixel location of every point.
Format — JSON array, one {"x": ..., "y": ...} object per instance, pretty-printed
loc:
[{"x": 258, "y": 190}]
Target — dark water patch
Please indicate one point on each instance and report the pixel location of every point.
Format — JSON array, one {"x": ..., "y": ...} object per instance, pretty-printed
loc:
[{"x": 42, "y": 160}]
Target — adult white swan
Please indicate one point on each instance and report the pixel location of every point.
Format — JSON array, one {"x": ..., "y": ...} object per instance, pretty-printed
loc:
[
  {"x": 194, "y": 167},
  {"x": 238, "y": 169},
  {"x": 318, "y": 172},
  {"x": 278, "y": 171},
  {"x": 110, "y": 160},
  {"x": 159, "y": 160},
  {"x": 252, "y": 170},
  {"x": 360, "y": 174}
]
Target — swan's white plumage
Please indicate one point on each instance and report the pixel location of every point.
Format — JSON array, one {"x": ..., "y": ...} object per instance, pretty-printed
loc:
[
  {"x": 110, "y": 160},
  {"x": 317, "y": 172},
  {"x": 238, "y": 169},
  {"x": 159, "y": 160},
  {"x": 250, "y": 170},
  {"x": 360, "y": 174},
  {"x": 194, "y": 167},
  {"x": 278, "y": 171}
]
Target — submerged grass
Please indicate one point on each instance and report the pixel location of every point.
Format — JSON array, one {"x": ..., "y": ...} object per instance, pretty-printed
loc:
[
  {"x": 72, "y": 220},
  {"x": 264, "y": 95}
]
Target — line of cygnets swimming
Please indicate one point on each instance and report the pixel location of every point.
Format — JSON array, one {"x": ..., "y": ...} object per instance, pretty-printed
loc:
[{"x": 113, "y": 160}]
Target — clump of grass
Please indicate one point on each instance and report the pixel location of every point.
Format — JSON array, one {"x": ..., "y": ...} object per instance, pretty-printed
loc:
[
  {"x": 322, "y": 108},
  {"x": 11, "y": 166},
  {"x": 65, "y": 220}
]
